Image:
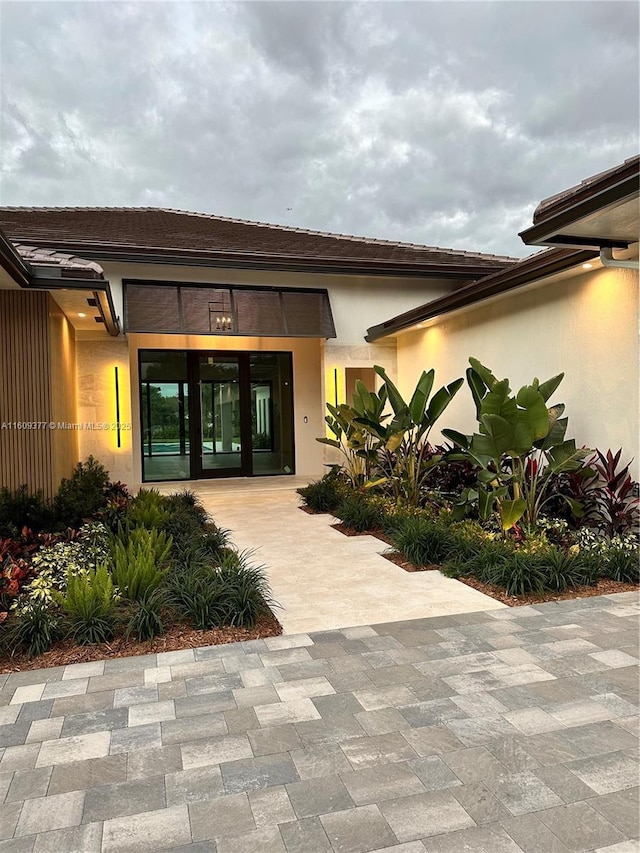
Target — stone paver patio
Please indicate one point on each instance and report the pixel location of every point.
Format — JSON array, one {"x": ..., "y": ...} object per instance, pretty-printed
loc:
[{"x": 503, "y": 731}]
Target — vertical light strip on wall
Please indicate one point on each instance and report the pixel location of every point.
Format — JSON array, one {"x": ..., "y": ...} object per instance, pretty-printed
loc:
[
  {"x": 335, "y": 385},
  {"x": 118, "y": 437}
]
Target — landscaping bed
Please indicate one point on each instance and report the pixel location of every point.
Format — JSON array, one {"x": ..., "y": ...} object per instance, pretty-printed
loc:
[
  {"x": 100, "y": 573},
  {"x": 515, "y": 510}
]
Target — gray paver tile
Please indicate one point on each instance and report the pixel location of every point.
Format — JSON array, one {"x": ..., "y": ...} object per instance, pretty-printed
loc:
[
  {"x": 193, "y": 786},
  {"x": 357, "y": 830},
  {"x": 46, "y": 813},
  {"x": 94, "y": 721},
  {"x": 84, "y": 704},
  {"x": 423, "y": 815},
  {"x": 266, "y": 839},
  {"x": 293, "y": 711},
  {"x": 533, "y": 721},
  {"x": 187, "y": 729},
  {"x": 144, "y": 763},
  {"x": 302, "y": 836},
  {"x": 598, "y": 738},
  {"x": 271, "y": 806},
  {"x": 138, "y": 737},
  {"x": 512, "y": 752},
  {"x": 321, "y": 760},
  {"x": 606, "y": 773},
  {"x": 215, "y": 751},
  {"x": 18, "y": 845},
  {"x": 9, "y": 815},
  {"x": 27, "y": 784},
  {"x": 80, "y": 775},
  {"x": 481, "y": 730},
  {"x": 222, "y": 817},
  {"x": 474, "y": 764},
  {"x": 204, "y": 703},
  {"x": 41, "y": 730},
  {"x": 146, "y": 833},
  {"x": 124, "y": 798},
  {"x": 478, "y": 839},
  {"x": 76, "y": 839},
  {"x": 249, "y": 697},
  {"x": 564, "y": 783},
  {"x": 77, "y": 748},
  {"x": 240, "y": 721},
  {"x": 481, "y": 805},
  {"x": 19, "y": 757},
  {"x": 580, "y": 827},
  {"x": 431, "y": 740},
  {"x": 620, "y": 809},
  {"x": 382, "y": 722},
  {"x": 265, "y": 771},
  {"x": 274, "y": 739},
  {"x": 532, "y": 835},
  {"x": 434, "y": 774},
  {"x": 337, "y": 705},
  {"x": 303, "y": 688},
  {"x": 382, "y": 749},
  {"x": 312, "y": 797},
  {"x": 376, "y": 784},
  {"x": 331, "y": 731},
  {"x": 522, "y": 792}
]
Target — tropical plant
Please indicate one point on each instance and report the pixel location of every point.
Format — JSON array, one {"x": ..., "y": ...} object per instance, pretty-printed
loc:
[
  {"x": 146, "y": 620},
  {"x": 357, "y": 445},
  {"x": 88, "y": 604},
  {"x": 519, "y": 446},
  {"x": 405, "y": 439},
  {"x": 147, "y": 509},
  {"x": 197, "y": 595},
  {"x": 21, "y": 508},
  {"x": 518, "y": 574},
  {"x": 324, "y": 495},
  {"x": 245, "y": 591},
  {"x": 613, "y": 505},
  {"x": 139, "y": 567},
  {"x": 83, "y": 494}
]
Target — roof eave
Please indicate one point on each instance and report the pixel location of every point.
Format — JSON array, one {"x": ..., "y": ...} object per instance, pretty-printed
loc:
[
  {"x": 555, "y": 230},
  {"x": 15, "y": 266},
  {"x": 528, "y": 270}
]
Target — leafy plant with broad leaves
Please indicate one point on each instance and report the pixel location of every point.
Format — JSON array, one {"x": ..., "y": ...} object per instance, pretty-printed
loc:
[
  {"x": 405, "y": 438},
  {"x": 520, "y": 445},
  {"x": 357, "y": 445},
  {"x": 88, "y": 604},
  {"x": 613, "y": 505}
]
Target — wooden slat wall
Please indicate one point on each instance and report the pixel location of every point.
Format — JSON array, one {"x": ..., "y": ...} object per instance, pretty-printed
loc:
[
  {"x": 62, "y": 373},
  {"x": 25, "y": 393}
]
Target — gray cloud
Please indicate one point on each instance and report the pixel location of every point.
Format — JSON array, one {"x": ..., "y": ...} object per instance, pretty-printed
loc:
[{"x": 442, "y": 123}]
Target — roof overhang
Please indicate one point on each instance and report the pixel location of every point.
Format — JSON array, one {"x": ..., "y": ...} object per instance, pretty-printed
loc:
[
  {"x": 524, "y": 272},
  {"x": 602, "y": 212}
]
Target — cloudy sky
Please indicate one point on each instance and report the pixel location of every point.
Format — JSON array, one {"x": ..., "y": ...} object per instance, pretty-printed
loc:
[{"x": 433, "y": 122}]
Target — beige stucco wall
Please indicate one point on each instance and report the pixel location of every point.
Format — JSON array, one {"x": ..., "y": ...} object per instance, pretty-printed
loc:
[{"x": 585, "y": 324}]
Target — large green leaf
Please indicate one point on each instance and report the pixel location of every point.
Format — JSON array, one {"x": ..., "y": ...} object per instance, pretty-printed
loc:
[
  {"x": 498, "y": 437},
  {"x": 547, "y": 388},
  {"x": 533, "y": 411},
  {"x": 457, "y": 437},
  {"x": 421, "y": 395},
  {"x": 330, "y": 441},
  {"x": 511, "y": 512},
  {"x": 478, "y": 388},
  {"x": 395, "y": 398},
  {"x": 557, "y": 428},
  {"x": 441, "y": 400},
  {"x": 394, "y": 441},
  {"x": 364, "y": 395},
  {"x": 485, "y": 503},
  {"x": 483, "y": 372}
]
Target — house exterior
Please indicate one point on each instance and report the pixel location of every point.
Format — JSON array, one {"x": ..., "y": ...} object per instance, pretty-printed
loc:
[
  {"x": 177, "y": 346},
  {"x": 571, "y": 308}
]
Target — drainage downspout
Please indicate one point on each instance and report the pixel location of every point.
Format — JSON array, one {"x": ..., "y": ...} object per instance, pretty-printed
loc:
[{"x": 607, "y": 260}]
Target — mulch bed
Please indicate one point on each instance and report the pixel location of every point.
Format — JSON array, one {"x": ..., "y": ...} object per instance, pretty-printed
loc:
[
  {"x": 176, "y": 637},
  {"x": 310, "y": 511},
  {"x": 602, "y": 587},
  {"x": 397, "y": 558}
]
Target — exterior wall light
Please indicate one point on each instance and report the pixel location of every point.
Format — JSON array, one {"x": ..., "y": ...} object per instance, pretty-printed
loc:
[{"x": 117, "y": 389}]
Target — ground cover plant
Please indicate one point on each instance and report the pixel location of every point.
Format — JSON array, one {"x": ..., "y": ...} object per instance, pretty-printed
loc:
[
  {"x": 135, "y": 569},
  {"x": 516, "y": 507}
]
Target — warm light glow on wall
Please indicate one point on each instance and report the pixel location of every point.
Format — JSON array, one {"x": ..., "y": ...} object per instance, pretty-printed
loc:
[
  {"x": 335, "y": 389},
  {"x": 115, "y": 416}
]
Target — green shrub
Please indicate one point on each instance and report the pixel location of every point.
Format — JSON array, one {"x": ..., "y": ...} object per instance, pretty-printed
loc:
[
  {"x": 622, "y": 565},
  {"x": 214, "y": 541},
  {"x": 421, "y": 541},
  {"x": 83, "y": 494},
  {"x": 518, "y": 574},
  {"x": 187, "y": 501},
  {"x": 139, "y": 567},
  {"x": 146, "y": 620},
  {"x": 22, "y": 508},
  {"x": 245, "y": 591},
  {"x": 198, "y": 596},
  {"x": 356, "y": 512},
  {"x": 148, "y": 509},
  {"x": 324, "y": 495},
  {"x": 34, "y": 629},
  {"x": 561, "y": 570},
  {"x": 89, "y": 606}
]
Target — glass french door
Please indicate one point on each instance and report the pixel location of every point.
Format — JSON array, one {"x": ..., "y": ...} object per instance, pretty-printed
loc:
[{"x": 215, "y": 414}]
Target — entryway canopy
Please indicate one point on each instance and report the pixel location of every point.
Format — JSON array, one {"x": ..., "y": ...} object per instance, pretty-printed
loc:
[{"x": 176, "y": 308}]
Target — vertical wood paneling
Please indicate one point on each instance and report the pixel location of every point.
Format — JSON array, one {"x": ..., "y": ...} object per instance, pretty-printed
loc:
[{"x": 37, "y": 385}]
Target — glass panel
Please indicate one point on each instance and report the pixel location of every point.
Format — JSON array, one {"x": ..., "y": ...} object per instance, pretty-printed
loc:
[
  {"x": 165, "y": 428},
  {"x": 220, "y": 412},
  {"x": 272, "y": 413}
]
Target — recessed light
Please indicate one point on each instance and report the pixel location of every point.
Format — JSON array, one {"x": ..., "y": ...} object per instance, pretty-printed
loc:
[
  {"x": 80, "y": 314},
  {"x": 587, "y": 266}
]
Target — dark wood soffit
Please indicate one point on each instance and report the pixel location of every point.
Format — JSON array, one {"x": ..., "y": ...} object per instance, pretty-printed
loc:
[{"x": 540, "y": 266}]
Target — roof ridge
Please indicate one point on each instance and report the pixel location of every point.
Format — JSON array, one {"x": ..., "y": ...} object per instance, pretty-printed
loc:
[{"x": 276, "y": 227}]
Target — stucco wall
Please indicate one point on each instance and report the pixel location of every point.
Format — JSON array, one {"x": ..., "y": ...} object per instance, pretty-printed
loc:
[{"x": 585, "y": 325}]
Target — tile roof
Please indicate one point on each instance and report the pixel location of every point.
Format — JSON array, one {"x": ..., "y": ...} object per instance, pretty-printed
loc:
[
  {"x": 50, "y": 258},
  {"x": 161, "y": 231},
  {"x": 589, "y": 187}
]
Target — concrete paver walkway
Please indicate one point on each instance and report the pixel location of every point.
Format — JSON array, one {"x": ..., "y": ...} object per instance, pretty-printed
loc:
[
  {"x": 322, "y": 578},
  {"x": 504, "y": 731}
]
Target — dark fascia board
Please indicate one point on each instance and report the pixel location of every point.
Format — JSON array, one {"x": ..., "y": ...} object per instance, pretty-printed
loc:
[
  {"x": 556, "y": 228},
  {"x": 100, "y": 288},
  {"x": 13, "y": 263},
  {"x": 539, "y": 266},
  {"x": 280, "y": 263}
]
